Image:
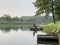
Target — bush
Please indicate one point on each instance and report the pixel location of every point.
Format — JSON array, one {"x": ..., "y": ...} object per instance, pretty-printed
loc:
[{"x": 51, "y": 28}]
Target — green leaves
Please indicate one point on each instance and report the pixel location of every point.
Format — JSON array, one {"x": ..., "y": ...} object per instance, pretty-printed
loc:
[
  {"x": 42, "y": 6},
  {"x": 47, "y": 7}
]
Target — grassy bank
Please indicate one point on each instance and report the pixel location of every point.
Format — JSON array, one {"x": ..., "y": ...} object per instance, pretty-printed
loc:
[{"x": 51, "y": 28}]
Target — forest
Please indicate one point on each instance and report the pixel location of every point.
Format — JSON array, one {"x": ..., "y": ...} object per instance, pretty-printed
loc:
[{"x": 6, "y": 19}]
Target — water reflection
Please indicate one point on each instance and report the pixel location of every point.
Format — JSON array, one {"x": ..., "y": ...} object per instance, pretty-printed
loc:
[
  {"x": 17, "y": 38},
  {"x": 7, "y": 28},
  {"x": 20, "y": 38},
  {"x": 20, "y": 35},
  {"x": 34, "y": 33}
]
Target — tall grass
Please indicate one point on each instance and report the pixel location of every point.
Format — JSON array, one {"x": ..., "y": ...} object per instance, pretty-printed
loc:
[{"x": 51, "y": 28}]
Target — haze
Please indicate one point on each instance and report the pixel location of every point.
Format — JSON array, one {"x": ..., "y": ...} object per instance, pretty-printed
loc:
[{"x": 17, "y": 7}]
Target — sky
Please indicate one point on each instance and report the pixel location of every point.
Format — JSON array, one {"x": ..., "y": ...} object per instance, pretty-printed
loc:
[{"x": 17, "y": 8}]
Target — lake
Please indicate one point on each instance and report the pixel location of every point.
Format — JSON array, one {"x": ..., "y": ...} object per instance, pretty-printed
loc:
[{"x": 19, "y": 37}]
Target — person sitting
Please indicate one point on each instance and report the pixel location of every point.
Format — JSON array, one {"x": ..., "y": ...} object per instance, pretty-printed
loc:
[{"x": 35, "y": 27}]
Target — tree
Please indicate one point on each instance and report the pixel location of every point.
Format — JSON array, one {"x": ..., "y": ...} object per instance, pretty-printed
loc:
[
  {"x": 47, "y": 7},
  {"x": 7, "y": 17},
  {"x": 16, "y": 18}
]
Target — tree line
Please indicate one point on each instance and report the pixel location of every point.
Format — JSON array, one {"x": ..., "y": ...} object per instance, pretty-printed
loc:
[{"x": 6, "y": 19}]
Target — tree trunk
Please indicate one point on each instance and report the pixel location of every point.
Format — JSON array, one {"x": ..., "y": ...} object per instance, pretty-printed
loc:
[
  {"x": 53, "y": 13},
  {"x": 53, "y": 17},
  {"x": 59, "y": 39}
]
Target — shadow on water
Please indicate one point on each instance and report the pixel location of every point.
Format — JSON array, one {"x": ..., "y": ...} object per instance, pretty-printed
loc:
[{"x": 34, "y": 33}]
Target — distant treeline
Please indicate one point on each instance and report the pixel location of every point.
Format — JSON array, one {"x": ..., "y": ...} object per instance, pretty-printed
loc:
[{"x": 6, "y": 19}]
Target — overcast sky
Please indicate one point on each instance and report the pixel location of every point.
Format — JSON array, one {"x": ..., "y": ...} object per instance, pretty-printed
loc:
[{"x": 17, "y": 7}]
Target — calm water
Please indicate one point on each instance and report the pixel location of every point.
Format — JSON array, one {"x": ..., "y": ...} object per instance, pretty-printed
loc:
[{"x": 19, "y": 38}]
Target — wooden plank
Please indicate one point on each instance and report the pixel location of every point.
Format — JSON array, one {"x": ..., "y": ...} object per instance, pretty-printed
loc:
[{"x": 48, "y": 38}]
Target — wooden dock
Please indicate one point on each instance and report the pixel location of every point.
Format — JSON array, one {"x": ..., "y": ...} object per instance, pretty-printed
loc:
[{"x": 47, "y": 38}]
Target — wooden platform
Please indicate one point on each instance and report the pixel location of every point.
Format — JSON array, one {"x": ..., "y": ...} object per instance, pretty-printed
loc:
[{"x": 47, "y": 38}]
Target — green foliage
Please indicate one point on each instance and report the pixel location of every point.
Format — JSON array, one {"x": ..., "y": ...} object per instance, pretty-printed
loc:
[
  {"x": 43, "y": 6},
  {"x": 6, "y": 19},
  {"x": 47, "y": 7},
  {"x": 51, "y": 28},
  {"x": 57, "y": 17}
]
